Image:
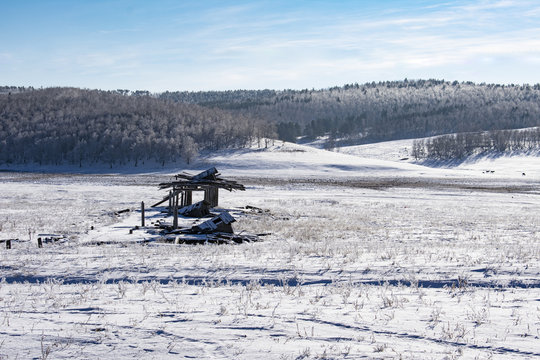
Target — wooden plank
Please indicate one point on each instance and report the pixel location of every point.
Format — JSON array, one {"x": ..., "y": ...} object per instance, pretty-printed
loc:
[
  {"x": 162, "y": 201},
  {"x": 207, "y": 174}
]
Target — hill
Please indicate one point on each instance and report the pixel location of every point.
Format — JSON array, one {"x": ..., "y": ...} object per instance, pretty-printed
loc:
[
  {"x": 62, "y": 126},
  {"x": 120, "y": 129},
  {"x": 381, "y": 111}
]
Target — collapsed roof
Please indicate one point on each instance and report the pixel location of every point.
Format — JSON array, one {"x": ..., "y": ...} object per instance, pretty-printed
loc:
[{"x": 208, "y": 178}]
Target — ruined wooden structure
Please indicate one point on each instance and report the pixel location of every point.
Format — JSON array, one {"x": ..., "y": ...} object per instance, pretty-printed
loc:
[
  {"x": 217, "y": 229},
  {"x": 182, "y": 188}
]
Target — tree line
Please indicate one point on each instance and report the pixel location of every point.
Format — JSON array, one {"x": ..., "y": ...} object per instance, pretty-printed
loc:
[
  {"x": 77, "y": 126},
  {"x": 462, "y": 145},
  {"x": 84, "y": 127},
  {"x": 377, "y": 111}
]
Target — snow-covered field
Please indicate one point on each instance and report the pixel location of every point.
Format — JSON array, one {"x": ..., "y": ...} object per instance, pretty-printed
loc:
[{"x": 366, "y": 259}]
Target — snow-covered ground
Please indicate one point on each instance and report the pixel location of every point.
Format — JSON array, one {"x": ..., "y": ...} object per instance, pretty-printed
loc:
[
  {"x": 287, "y": 160},
  {"x": 367, "y": 258}
]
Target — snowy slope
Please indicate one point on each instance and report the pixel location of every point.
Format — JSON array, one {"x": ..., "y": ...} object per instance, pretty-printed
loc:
[
  {"x": 285, "y": 160},
  {"x": 398, "y": 153},
  {"x": 300, "y": 161},
  {"x": 516, "y": 166},
  {"x": 397, "y": 150},
  {"x": 388, "y": 160}
]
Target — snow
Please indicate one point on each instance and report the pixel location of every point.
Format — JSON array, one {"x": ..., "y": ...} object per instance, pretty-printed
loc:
[
  {"x": 287, "y": 160},
  {"x": 397, "y": 150},
  {"x": 512, "y": 166},
  {"x": 367, "y": 258}
]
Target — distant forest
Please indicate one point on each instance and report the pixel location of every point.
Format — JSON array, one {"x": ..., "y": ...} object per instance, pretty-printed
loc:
[
  {"x": 76, "y": 126},
  {"x": 381, "y": 111}
]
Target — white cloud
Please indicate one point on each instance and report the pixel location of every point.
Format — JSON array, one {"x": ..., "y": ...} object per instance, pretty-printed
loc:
[
  {"x": 6, "y": 57},
  {"x": 243, "y": 47}
]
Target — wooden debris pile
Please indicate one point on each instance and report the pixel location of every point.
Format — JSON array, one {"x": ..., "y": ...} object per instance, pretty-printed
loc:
[{"x": 217, "y": 229}]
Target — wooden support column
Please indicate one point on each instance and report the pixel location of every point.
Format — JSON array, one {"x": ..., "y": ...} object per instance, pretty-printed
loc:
[
  {"x": 189, "y": 197},
  {"x": 207, "y": 196},
  {"x": 215, "y": 192},
  {"x": 211, "y": 195},
  {"x": 8, "y": 244}
]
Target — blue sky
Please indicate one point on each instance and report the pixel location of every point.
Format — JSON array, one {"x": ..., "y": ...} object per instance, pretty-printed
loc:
[{"x": 218, "y": 45}]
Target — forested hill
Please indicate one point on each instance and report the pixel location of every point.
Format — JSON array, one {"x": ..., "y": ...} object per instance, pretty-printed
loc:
[
  {"x": 383, "y": 110},
  {"x": 84, "y": 127}
]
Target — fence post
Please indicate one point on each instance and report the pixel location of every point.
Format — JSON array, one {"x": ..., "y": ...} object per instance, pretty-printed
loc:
[
  {"x": 175, "y": 210},
  {"x": 169, "y": 209},
  {"x": 142, "y": 213}
]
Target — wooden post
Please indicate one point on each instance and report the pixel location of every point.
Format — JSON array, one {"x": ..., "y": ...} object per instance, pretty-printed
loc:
[
  {"x": 175, "y": 210},
  {"x": 39, "y": 243},
  {"x": 142, "y": 213},
  {"x": 169, "y": 209},
  {"x": 8, "y": 244}
]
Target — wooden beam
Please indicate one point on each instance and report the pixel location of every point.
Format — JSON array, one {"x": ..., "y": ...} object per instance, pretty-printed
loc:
[{"x": 208, "y": 174}]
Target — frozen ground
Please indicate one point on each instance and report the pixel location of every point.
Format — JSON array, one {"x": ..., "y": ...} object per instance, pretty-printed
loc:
[{"x": 394, "y": 261}]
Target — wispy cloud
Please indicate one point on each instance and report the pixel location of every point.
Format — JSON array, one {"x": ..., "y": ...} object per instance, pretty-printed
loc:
[
  {"x": 6, "y": 56},
  {"x": 117, "y": 31},
  {"x": 295, "y": 44}
]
